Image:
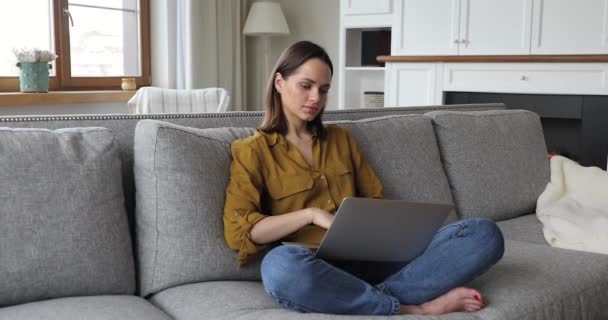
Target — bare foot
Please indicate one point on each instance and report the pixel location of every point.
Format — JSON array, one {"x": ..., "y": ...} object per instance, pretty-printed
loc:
[{"x": 458, "y": 299}]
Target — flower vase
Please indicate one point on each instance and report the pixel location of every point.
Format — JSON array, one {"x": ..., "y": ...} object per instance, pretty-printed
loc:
[{"x": 34, "y": 77}]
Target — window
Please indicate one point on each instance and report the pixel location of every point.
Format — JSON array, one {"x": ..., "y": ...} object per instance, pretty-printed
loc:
[{"x": 98, "y": 41}]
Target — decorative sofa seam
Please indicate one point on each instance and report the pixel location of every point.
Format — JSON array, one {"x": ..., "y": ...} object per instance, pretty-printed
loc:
[
  {"x": 237, "y": 114},
  {"x": 196, "y": 135},
  {"x": 376, "y": 119},
  {"x": 155, "y": 210},
  {"x": 83, "y": 130},
  {"x": 502, "y": 114}
]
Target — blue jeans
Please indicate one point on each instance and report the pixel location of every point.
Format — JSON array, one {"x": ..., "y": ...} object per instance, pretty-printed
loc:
[{"x": 458, "y": 253}]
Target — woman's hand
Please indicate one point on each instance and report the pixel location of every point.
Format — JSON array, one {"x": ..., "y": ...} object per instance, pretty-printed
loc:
[
  {"x": 273, "y": 228},
  {"x": 321, "y": 217}
]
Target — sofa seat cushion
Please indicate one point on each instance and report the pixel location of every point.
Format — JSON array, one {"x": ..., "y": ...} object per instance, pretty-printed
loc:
[
  {"x": 526, "y": 228},
  {"x": 540, "y": 282},
  {"x": 530, "y": 282},
  {"x": 63, "y": 224},
  {"x": 245, "y": 300},
  {"x": 496, "y": 161},
  {"x": 90, "y": 308}
]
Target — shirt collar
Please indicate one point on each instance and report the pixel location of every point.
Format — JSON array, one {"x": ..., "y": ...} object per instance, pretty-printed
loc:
[{"x": 274, "y": 137}]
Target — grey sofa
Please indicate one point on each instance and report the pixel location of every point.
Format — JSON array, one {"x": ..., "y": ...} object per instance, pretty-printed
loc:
[{"x": 118, "y": 218}]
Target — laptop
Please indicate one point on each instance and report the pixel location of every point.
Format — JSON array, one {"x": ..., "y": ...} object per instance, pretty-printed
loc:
[{"x": 367, "y": 229}]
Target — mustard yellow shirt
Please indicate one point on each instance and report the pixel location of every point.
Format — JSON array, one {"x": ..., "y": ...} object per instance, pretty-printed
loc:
[{"x": 269, "y": 176}]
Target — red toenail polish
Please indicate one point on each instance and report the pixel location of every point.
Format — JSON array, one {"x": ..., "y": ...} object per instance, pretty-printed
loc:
[{"x": 477, "y": 298}]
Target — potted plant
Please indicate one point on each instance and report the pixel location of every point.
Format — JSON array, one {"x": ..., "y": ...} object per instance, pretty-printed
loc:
[{"x": 34, "y": 65}]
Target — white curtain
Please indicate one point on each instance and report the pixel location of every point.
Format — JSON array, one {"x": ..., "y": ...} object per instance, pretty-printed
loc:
[{"x": 206, "y": 46}]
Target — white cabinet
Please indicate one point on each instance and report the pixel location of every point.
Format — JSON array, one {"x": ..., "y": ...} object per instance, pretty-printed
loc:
[
  {"x": 413, "y": 84},
  {"x": 461, "y": 27},
  {"x": 366, "y": 13},
  {"x": 495, "y": 27},
  {"x": 534, "y": 78},
  {"x": 366, "y": 7},
  {"x": 570, "y": 27},
  {"x": 425, "y": 27}
]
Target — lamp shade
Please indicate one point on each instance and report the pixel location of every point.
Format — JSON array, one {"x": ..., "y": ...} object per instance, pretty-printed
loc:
[{"x": 265, "y": 18}]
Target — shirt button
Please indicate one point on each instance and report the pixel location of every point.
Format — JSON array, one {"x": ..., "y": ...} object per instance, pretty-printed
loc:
[
  {"x": 322, "y": 177},
  {"x": 328, "y": 201}
]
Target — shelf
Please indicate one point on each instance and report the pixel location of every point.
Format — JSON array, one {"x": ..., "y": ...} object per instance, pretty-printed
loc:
[
  {"x": 364, "y": 68},
  {"x": 512, "y": 58},
  {"x": 63, "y": 97}
]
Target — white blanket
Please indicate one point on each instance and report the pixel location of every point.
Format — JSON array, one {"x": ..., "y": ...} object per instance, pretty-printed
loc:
[{"x": 574, "y": 207}]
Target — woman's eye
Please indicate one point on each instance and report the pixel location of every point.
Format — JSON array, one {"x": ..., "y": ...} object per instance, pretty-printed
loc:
[{"x": 305, "y": 86}]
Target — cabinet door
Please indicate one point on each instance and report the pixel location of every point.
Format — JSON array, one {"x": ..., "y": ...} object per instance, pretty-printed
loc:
[
  {"x": 366, "y": 6},
  {"x": 533, "y": 78},
  {"x": 495, "y": 27},
  {"x": 412, "y": 84},
  {"x": 425, "y": 27},
  {"x": 570, "y": 27}
]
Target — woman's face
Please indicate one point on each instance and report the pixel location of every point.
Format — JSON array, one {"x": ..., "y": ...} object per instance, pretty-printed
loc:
[{"x": 304, "y": 92}]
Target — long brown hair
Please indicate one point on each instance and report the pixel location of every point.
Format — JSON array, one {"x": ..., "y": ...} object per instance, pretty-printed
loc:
[{"x": 290, "y": 60}]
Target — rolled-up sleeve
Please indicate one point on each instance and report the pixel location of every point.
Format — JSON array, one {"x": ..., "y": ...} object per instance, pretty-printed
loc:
[
  {"x": 367, "y": 182},
  {"x": 243, "y": 201}
]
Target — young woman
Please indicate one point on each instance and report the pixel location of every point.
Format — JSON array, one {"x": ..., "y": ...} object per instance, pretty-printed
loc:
[{"x": 286, "y": 183}]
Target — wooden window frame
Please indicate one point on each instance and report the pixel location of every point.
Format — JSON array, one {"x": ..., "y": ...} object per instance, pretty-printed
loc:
[{"x": 63, "y": 81}]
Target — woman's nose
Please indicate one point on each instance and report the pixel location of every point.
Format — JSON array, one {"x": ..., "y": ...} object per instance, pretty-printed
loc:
[{"x": 315, "y": 95}]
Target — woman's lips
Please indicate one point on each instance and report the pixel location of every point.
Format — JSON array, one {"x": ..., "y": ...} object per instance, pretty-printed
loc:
[{"x": 311, "y": 109}]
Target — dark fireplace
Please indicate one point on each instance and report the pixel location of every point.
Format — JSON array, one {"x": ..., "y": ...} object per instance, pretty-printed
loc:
[{"x": 574, "y": 126}]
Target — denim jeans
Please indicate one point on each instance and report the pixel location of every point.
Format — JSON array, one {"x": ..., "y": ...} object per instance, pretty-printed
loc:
[{"x": 458, "y": 253}]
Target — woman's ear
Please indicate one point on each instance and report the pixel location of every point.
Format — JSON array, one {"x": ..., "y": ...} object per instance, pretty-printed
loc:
[{"x": 278, "y": 82}]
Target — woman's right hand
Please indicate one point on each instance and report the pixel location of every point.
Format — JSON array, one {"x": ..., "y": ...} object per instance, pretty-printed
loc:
[{"x": 321, "y": 217}]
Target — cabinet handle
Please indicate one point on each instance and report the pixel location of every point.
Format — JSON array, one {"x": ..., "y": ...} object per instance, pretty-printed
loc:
[
  {"x": 456, "y": 41},
  {"x": 524, "y": 78},
  {"x": 465, "y": 41}
]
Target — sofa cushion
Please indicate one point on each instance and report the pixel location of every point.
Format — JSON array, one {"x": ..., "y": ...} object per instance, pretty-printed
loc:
[
  {"x": 248, "y": 301},
  {"x": 540, "y": 282},
  {"x": 63, "y": 227},
  {"x": 530, "y": 282},
  {"x": 403, "y": 151},
  {"x": 181, "y": 175},
  {"x": 526, "y": 228},
  {"x": 496, "y": 161},
  {"x": 90, "y": 308}
]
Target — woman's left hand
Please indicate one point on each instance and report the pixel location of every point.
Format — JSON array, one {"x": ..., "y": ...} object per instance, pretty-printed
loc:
[{"x": 321, "y": 217}]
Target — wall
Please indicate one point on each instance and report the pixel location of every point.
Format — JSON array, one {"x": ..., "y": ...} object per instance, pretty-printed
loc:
[{"x": 314, "y": 20}]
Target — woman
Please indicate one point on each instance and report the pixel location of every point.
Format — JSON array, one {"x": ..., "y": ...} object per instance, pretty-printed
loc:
[{"x": 286, "y": 183}]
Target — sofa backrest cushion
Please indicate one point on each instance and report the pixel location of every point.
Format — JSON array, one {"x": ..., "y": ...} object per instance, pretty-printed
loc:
[
  {"x": 181, "y": 175},
  {"x": 63, "y": 224},
  {"x": 123, "y": 126},
  {"x": 496, "y": 161},
  {"x": 403, "y": 151}
]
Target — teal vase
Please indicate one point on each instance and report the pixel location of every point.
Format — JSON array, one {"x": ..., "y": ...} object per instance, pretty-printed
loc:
[{"x": 34, "y": 77}]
